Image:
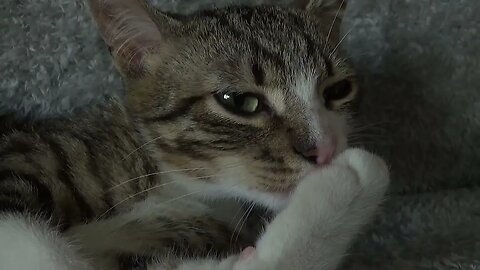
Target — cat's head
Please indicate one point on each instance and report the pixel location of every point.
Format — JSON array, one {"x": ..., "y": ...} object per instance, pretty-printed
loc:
[{"x": 250, "y": 99}]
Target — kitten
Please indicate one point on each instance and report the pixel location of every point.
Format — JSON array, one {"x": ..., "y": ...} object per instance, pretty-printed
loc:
[{"x": 247, "y": 104}]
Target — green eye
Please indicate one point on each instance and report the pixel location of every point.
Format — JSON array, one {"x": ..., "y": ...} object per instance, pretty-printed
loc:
[{"x": 243, "y": 104}]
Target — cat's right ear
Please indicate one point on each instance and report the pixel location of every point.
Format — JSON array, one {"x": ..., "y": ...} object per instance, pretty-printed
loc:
[{"x": 130, "y": 32}]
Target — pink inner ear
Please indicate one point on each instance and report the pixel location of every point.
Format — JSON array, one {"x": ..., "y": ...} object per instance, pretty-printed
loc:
[{"x": 127, "y": 29}]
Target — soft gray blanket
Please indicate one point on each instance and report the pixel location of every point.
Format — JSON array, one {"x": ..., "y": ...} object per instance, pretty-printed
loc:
[{"x": 419, "y": 62}]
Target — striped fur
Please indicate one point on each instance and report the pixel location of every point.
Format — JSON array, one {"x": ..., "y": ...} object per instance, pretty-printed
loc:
[{"x": 128, "y": 180}]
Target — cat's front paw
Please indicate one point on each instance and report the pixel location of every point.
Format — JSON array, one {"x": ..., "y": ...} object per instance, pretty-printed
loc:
[
  {"x": 326, "y": 211},
  {"x": 355, "y": 174},
  {"x": 332, "y": 186},
  {"x": 372, "y": 171}
]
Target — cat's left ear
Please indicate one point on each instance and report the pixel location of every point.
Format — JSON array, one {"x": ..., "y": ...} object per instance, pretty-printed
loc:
[
  {"x": 328, "y": 12},
  {"x": 131, "y": 31}
]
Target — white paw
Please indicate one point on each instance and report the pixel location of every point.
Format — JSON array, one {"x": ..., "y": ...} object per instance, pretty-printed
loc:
[
  {"x": 353, "y": 173},
  {"x": 372, "y": 170},
  {"x": 332, "y": 186},
  {"x": 330, "y": 204}
]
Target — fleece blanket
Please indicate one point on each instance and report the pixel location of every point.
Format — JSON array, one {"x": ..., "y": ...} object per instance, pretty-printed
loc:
[{"x": 419, "y": 65}]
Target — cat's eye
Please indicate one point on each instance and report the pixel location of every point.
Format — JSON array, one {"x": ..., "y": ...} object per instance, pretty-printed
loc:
[
  {"x": 240, "y": 103},
  {"x": 337, "y": 91}
]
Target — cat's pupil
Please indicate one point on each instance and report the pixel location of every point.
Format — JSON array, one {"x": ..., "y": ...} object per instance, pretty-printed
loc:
[
  {"x": 337, "y": 91},
  {"x": 242, "y": 104}
]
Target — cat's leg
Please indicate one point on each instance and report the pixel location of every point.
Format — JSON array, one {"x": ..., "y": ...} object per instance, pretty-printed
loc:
[
  {"x": 30, "y": 243},
  {"x": 326, "y": 212}
]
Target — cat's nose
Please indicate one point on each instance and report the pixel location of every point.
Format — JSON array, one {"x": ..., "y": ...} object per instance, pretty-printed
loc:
[{"x": 320, "y": 153}]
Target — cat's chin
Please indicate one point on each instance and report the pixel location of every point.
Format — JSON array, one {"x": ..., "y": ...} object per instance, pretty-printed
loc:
[{"x": 274, "y": 201}]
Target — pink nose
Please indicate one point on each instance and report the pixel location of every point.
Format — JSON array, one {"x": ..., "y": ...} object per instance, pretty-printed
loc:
[{"x": 323, "y": 152}]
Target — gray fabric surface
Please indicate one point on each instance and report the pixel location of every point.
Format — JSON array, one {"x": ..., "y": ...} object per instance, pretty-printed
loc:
[{"x": 419, "y": 63}]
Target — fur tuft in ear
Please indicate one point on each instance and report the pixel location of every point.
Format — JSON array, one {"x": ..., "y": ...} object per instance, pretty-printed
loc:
[{"x": 129, "y": 31}]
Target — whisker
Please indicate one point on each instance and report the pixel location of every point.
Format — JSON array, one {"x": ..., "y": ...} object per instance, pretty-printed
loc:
[
  {"x": 140, "y": 147},
  {"x": 249, "y": 211},
  {"x": 333, "y": 24},
  {"x": 238, "y": 223},
  {"x": 147, "y": 190},
  {"x": 340, "y": 42},
  {"x": 237, "y": 212},
  {"x": 152, "y": 174},
  {"x": 145, "y": 144},
  {"x": 233, "y": 165},
  {"x": 132, "y": 196}
]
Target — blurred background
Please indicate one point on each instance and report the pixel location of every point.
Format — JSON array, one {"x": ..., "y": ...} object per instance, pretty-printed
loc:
[{"x": 419, "y": 65}]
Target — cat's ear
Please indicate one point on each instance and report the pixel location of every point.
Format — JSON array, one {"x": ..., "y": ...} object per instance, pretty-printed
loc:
[
  {"x": 329, "y": 13},
  {"x": 130, "y": 32}
]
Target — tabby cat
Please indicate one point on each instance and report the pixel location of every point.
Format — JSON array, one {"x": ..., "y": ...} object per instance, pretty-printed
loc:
[{"x": 231, "y": 116}]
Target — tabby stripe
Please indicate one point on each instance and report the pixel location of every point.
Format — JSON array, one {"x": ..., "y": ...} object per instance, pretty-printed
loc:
[
  {"x": 181, "y": 148},
  {"x": 280, "y": 170},
  {"x": 191, "y": 147},
  {"x": 8, "y": 206},
  {"x": 223, "y": 146},
  {"x": 218, "y": 131},
  {"x": 227, "y": 141},
  {"x": 64, "y": 175},
  {"x": 246, "y": 16},
  {"x": 9, "y": 193},
  {"x": 266, "y": 155},
  {"x": 96, "y": 172},
  {"x": 185, "y": 105},
  {"x": 133, "y": 262},
  {"x": 256, "y": 47},
  {"x": 149, "y": 166},
  {"x": 43, "y": 193},
  {"x": 263, "y": 52},
  {"x": 214, "y": 145},
  {"x": 222, "y": 20},
  {"x": 237, "y": 128},
  {"x": 9, "y": 124},
  {"x": 312, "y": 46},
  {"x": 16, "y": 146}
]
